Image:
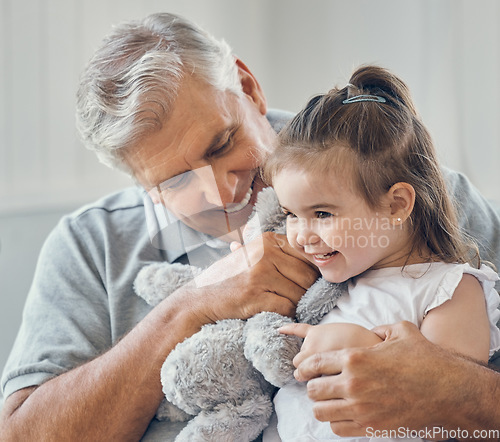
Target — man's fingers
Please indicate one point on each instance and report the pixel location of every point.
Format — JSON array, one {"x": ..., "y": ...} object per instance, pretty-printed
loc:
[
  {"x": 284, "y": 245},
  {"x": 326, "y": 388},
  {"x": 272, "y": 250},
  {"x": 293, "y": 265},
  {"x": 278, "y": 304},
  {"x": 285, "y": 288},
  {"x": 323, "y": 411},
  {"x": 348, "y": 429},
  {"x": 340, "y": 415},
  {"x": 301, "y": 273},
  {"x": 339, "y": 412},
  {"x": 319, "y": 364}
]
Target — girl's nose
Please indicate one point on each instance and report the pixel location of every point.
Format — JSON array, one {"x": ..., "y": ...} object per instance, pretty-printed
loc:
[{"x": 305, "y": 235}]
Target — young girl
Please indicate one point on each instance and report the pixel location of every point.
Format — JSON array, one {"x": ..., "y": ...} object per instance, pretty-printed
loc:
[{"x": 356, "y": 174}]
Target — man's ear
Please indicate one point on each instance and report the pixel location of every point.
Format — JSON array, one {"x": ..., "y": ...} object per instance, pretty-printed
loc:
[
  {"x": 401, "y": 201},
  {"x": 251, "y": 86}
]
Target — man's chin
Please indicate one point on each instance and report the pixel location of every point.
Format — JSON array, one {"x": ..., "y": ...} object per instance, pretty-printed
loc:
[{"x": 219, "y": 224}]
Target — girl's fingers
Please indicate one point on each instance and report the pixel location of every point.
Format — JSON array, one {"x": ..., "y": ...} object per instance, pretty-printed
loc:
[
  {"x": 234, "y": 246},
  {"x": 295, "y": 329}
]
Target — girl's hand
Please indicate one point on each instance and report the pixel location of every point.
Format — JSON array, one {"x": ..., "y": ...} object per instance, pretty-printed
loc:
[{"x": 328, "y": 337}]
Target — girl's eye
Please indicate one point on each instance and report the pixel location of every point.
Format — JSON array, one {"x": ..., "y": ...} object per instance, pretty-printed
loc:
[
  {"x": 288, "y": 214},
  {"x": 320, "y": 214}
]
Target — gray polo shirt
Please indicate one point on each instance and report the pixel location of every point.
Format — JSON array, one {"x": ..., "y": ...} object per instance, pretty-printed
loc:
[{"x": 82, "y": 301}]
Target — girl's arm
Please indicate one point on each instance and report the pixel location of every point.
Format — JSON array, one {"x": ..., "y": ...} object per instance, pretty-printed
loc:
[{"x": 461, "y": 324}]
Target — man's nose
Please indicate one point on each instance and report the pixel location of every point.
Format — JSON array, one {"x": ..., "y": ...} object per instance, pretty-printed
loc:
[{"x": 220, "y": 189}]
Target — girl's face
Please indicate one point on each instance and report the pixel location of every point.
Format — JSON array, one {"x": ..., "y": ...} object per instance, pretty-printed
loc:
[{"x": 335, "y": 229}]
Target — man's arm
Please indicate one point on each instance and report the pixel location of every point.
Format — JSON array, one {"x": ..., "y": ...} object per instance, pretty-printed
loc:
[
  {"x": 428, "y": 386},
  {"x": 476, "y": 215},
  {"x": 114, "y": 396}
]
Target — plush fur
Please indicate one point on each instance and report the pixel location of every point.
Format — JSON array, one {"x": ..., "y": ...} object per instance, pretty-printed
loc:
[{"x": 223, "y": 377}]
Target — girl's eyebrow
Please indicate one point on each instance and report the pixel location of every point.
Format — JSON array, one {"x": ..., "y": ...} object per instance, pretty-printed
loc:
[
  {"x": 319, "y": 206},
  {"x": 324, "y": 206}
]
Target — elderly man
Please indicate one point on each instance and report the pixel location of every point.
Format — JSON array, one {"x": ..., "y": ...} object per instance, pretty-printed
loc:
[{"x": 168, "y": 104}]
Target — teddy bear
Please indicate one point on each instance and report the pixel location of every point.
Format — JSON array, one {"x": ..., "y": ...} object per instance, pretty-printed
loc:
[{"x": 222, "y": 379}]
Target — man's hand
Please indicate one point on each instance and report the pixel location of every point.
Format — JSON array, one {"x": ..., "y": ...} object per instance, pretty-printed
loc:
[
  {"x": 404, "y": 382},
  {"x": 265, "y": 275}
]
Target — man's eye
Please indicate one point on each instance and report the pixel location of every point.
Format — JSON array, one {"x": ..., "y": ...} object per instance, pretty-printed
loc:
[
  {"x": 223, "y": 148},
  {"x": 219, "y": 151},
  {"x": 176, "y": 182}
]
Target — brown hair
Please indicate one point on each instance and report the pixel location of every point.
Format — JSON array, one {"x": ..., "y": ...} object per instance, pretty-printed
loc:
[{"x": 382, "y": 143}]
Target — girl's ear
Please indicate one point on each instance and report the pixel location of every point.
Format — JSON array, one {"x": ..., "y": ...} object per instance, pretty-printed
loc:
[
  {"x": 401, "y": 201},
  {"x": 251, "y": 86}
]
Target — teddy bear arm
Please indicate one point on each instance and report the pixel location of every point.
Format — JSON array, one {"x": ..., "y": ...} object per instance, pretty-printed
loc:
[
  {"x": 271, "y": 352},
  {"x": 156, "y": 281},
  {"x": 210, "y": 368}
]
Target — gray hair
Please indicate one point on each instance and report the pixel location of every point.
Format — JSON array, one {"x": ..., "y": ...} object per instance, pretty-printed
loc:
[{"x": 128, "y": 87}]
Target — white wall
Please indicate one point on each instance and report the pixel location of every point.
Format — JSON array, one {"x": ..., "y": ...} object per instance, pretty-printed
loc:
[{"x": 447, "y": 51}]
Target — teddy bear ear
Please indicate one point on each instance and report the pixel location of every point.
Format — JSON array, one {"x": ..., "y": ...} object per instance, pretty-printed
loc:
[
  {"x": 156, "y": 281},
  {"x": 267, "y": 216}
]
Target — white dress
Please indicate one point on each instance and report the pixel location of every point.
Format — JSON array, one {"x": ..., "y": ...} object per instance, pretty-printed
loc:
[{"x": 378, "y": 297}]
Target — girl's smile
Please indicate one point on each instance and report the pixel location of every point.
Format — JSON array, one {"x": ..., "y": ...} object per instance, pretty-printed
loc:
[{"x": 325, "y": 258}]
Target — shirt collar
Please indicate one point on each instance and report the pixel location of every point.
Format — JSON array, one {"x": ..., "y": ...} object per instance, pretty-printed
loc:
[{"x": 168, "y": 233}]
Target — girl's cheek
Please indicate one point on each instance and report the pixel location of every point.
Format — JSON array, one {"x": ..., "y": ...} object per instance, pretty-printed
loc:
[{"x": 291, "y": 238}]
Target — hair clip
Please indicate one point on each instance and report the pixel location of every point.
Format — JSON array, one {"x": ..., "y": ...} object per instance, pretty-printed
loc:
[{"x": 358, "y": 98}]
